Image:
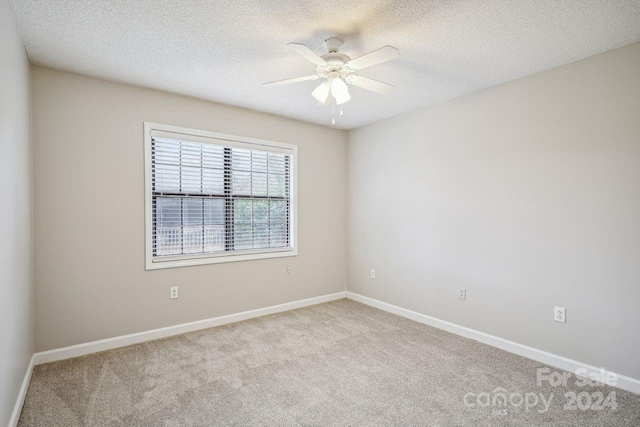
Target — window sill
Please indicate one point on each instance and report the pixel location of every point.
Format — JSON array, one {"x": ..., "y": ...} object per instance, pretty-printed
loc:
[{"x": 217, "y": 259}]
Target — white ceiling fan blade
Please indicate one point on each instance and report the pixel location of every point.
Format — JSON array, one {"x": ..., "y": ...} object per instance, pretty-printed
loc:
[
  {"x": 321, "y": 93},
  {"x": 376, "y": 57},
  {"x": 289, "y": 81},
  {"x": 307, "y": 53},
  {"x": 340, "y": 91},
  {"x": 370, "y": 84}
]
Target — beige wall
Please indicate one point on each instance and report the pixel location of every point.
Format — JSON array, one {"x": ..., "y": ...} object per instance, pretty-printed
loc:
[
  {"x": 527, "y": 195},
  {"x": 89, "y": 214},
  {"x": 16, "y": 294}
]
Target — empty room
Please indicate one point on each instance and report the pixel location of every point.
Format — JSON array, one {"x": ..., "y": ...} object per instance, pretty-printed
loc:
[{"x": 305, "y": 213}]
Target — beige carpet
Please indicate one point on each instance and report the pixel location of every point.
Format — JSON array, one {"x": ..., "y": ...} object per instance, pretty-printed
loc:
[{"x": 335, "y": 364}]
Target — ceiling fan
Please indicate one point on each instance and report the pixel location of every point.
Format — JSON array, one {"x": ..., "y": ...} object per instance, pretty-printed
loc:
[{"x": 337, "y": 68}]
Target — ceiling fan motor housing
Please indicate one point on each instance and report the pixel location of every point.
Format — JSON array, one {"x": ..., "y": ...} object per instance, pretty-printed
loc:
[{"x": 335, "y": 66}]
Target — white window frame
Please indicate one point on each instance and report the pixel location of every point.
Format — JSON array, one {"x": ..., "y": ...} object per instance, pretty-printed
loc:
[{"x": 219, "y": 139}]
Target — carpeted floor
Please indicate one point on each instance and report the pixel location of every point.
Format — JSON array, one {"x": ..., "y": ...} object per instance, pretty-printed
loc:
[{"x": 335, "y": 364}]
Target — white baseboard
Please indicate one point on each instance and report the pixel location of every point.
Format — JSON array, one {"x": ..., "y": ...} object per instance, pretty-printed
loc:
[
  {"x": 17, "y": 410},
  {"x": 125, "y": 340},
  {"x": 623, "y": 382}
]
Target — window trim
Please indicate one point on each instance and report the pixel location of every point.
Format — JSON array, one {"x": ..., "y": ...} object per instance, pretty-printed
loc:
[{"x": 231, "y": 141}]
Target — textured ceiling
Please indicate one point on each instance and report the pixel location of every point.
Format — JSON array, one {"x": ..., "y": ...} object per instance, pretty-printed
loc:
[{"x": 224, "y": 50}]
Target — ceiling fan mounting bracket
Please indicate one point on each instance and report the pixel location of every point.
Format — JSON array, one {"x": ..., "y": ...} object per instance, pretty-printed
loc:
[{"x": 333, "y": 44}]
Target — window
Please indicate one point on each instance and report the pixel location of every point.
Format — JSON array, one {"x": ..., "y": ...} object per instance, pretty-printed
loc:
[{"x": 216, "y": 198}]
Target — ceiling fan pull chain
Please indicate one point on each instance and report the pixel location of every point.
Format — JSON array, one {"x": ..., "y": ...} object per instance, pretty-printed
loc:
[{"x": 333, "y": 112}]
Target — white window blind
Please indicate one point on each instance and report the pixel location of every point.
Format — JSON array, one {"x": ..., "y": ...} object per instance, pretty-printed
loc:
[{"x": 214, "y": 197}]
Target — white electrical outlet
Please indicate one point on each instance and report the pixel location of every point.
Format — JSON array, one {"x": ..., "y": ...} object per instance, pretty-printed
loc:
[
  {"x": 462, "y": 293},
  {"x": 174, "y": 292},
  {"x": 373, "y": 274},
  {"x": 559, "y": 314}
]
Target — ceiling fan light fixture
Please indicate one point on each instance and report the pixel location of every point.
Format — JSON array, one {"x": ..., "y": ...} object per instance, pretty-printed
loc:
[
  {"x": 340, "y": 91},
  {"x": 321, "y": 93}
]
